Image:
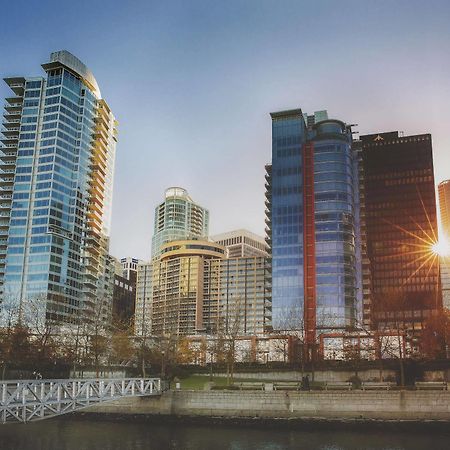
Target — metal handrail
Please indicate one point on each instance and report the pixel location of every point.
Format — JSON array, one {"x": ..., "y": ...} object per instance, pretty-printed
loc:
[{"x": 29, "y": 400}]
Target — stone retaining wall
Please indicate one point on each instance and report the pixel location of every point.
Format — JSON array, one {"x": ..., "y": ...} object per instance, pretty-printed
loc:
[{"x": 394, "y": 405}]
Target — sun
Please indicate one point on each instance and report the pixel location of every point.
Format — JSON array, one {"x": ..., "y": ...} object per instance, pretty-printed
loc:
[{"x": 441, "y": 248}]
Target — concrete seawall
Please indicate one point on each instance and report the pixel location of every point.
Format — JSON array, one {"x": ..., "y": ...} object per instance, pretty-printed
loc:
[{"x": 381, "y": 405}]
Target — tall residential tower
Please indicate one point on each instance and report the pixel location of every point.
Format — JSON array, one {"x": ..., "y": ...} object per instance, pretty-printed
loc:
[
  {"x": 178, "y": 217},
  {"x": 56, "y": 178},
  {"x": 311, "y": 201}
]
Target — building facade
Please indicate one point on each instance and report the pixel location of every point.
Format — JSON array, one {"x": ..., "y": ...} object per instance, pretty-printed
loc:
[
  {"x": 195, "y": 289},
  {"x": 237, "y": 294},
  {"x": 242, "y": 243},
  {"x": 143, "y": 300},
  {"x": 57, "y": 165},
  {"x": 129, "y": 268},
  {"x": 311, "y": 198},
  {"x": 444, "y": 209},
  {"x": 178, "y": 217},
  {"x": 178, "y": 286},
  {"x": 124, "y": 294},
  {"x": 401, "y": 228}
]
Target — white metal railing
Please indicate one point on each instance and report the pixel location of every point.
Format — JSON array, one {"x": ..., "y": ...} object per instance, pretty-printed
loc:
[{"x": 29, "y": 400}]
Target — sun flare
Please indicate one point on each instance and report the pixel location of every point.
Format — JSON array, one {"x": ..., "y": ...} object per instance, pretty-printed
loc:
[{"x": 441, "y": 248}]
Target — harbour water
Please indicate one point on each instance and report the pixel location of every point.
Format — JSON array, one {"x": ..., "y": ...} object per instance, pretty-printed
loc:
[{"x": 75, "y": 434}]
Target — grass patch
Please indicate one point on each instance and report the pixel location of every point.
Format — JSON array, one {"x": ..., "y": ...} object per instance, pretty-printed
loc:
[{"x": 197, "y": 382}]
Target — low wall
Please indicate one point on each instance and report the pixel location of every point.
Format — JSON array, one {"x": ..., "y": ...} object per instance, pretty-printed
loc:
[
  {"x": 319, "y": 375},
  {"x": 335, "y": 375},
  {"x": 393, "y": 405}
]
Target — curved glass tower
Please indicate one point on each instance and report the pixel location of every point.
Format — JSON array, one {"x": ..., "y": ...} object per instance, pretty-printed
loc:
[
  {"x": 178, "y": 217},
  {"x": 311, "y": 199},
  {"x": 57, "y": 164},
  {"x": 334, "y": 204}
]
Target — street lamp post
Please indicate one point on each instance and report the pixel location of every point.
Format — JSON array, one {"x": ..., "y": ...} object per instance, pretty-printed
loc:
[{"x": 162, "y": 364}]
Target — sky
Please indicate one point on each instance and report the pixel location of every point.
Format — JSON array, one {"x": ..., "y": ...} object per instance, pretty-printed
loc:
[{"x": 192, "y": 84}]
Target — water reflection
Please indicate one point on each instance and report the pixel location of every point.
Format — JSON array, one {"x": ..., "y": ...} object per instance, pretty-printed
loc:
[{"x": 84, "y": 435}]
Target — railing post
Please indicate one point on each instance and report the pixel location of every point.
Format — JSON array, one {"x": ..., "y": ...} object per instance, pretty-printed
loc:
[
  {"x": 24, "y": 401},
  {"x": 4, "y": 391},
  {"x": 142, "y": 386},
  {"x": 74, "y": 393},
  {"x": 58, "y": 397},
  {"x": 41, "y": 397}
]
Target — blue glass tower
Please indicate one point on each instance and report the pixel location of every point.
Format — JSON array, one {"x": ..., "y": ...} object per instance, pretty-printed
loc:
[
  {"x": 311, "y": 199},
  {"x": 57, "y": 163}
]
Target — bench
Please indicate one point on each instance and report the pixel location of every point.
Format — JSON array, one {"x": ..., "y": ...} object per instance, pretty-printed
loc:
[
  {"x": 377, "y": 385},
  {"x": 287, "y": 385},
  {"x": 248, "y": 385},
  {"x": 436, "y": 385},
  {"x": 338, "y": 385}
]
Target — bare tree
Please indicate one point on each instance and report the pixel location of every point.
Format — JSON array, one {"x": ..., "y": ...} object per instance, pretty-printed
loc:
[
  {"x": 393, "y": 307},
  {"x": 292, "y": 323},
  {"x": 230, "y": 327},
  {"x": 435, "y": 339},
  {"x": 9, "y": 322}
]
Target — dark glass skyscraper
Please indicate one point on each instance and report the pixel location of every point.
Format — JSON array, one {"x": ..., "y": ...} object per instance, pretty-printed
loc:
[
  {"x": 401, "y": 227},
  {"x": 310, "y": 199}
]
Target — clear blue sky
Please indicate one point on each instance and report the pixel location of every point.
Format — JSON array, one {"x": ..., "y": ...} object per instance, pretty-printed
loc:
[{"x": 192, "y": 84}]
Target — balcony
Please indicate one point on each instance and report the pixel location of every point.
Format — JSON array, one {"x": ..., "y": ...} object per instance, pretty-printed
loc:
[
  {"x": 14, "y": 100},
  {"x": 6, "y": 178},
  {"x": 11, "y": 123},
  {"x": 12, "y": 115},
  {"x": 16, "y": 84},
  {"x": 12, "y": 131},
  {"x": 10, "y": 140},
  {"x": 7, "y": 164},
  {"x": 15, "y": 108}
]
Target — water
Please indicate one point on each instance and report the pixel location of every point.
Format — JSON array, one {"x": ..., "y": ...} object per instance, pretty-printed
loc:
[{"x": 57, "y": 434}]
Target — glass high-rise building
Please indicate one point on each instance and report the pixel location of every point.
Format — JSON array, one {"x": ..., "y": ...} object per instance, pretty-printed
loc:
[
  {"x": 178, "y": 217},
  {"x": 56, "y": 178},
  {"x": 311, "y": 199}
]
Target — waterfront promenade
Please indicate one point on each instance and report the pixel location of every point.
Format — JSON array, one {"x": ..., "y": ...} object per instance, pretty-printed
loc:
[{"x": 355, "y": 404}]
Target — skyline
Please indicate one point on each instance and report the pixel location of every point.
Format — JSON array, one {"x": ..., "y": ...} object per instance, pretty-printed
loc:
[{"x": 180, "y": 95}]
